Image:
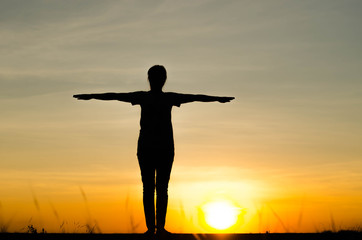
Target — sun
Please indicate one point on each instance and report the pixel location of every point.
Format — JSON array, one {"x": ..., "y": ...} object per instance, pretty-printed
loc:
[{"x": 221, "y": 214}]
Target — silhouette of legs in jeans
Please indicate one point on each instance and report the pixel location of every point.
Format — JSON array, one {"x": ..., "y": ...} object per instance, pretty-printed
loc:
[{"x": 155, "y": 165}]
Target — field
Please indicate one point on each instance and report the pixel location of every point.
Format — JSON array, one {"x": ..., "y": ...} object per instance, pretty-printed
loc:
[{"x": 344, "y": 235}]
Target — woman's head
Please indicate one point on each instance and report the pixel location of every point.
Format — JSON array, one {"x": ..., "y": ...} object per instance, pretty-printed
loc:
[{"x": 157, "y": 76}]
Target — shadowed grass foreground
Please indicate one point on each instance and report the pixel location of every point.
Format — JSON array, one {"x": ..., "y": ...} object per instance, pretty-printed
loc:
[{"x": 345, "y": 235}]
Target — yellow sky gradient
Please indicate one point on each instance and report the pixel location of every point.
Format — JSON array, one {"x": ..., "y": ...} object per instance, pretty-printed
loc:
[{"x": 287, "y": 151}]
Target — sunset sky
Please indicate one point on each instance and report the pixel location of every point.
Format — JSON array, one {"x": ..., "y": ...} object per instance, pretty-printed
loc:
[{"x": 287, "y": 151}]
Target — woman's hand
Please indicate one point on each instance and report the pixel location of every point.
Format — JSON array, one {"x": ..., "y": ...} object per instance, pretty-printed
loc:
[
  {"x": 83, "y": 96},
  {"x": 225, "y": 99}
]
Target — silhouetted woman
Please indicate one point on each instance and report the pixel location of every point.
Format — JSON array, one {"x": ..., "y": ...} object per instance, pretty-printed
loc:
[{"x": 155, "y": 149}]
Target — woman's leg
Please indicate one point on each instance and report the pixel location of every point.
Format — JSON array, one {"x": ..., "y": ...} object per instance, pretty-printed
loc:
[
  {"x": 163, "y": 171},
  {"x": 148, "y": 180}
]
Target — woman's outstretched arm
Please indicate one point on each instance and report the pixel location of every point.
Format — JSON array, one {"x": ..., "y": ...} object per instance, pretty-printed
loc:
[
  {"x": 204, "y": 98},
  {"x": 125, "y": 97}
]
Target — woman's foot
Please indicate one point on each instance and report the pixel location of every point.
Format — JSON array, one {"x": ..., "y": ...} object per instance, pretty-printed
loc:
[
  {"x": 149, "y": 234},
  {"x": 162, "y": 233}
]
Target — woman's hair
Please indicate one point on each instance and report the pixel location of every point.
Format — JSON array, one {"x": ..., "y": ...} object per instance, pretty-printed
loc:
[{"x": 157, "y": 76}]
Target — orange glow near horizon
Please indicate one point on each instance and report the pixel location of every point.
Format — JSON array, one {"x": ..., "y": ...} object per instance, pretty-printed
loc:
[
  {"x": 203, "y": 210},
  {"x": 112, "y": 201}
]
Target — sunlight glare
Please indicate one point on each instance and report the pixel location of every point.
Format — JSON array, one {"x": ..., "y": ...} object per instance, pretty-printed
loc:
[{"x": 220, "y": 214}]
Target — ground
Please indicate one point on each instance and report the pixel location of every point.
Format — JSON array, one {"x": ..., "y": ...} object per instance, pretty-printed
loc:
[{"x": 271, "y": 236}]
